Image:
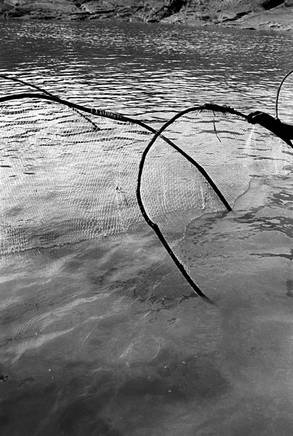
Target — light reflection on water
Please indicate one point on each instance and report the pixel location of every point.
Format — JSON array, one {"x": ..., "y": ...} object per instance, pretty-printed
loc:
[
  {"x": 160, "y": 70},
  {"x": 96, "y": 338}
]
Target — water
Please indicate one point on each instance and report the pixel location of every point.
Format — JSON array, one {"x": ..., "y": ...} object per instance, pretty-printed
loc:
[{"x": 98, "y": 338}]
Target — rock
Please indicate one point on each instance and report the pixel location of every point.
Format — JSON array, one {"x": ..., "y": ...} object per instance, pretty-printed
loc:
[
  {"x": 247, "y": 13},
  {"x": 232, "y": 16},
  {"x": 156, "y": 10},
  {"x": 174, "y": 19},
  {"x": 94, "y": 7},
  {"x": 40, "y": 8},
  {"x": 80, "y": 15},
  {"x": 270, "y": 4},
  {"x": 172, "y": 7},
  {"x": 124, "y": 12}
]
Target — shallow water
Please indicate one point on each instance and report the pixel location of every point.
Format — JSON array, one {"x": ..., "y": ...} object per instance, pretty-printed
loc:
[{"x": 104, "y": 337}]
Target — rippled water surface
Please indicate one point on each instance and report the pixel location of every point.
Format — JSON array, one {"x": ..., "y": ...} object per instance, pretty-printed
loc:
[{"x": 102, "y": 337}]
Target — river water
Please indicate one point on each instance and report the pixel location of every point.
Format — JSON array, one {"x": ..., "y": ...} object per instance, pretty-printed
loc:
[{"x": 98, "y": 337}]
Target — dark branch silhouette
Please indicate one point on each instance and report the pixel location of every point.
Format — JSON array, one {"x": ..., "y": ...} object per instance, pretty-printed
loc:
[{"x": 274, "y": 125}]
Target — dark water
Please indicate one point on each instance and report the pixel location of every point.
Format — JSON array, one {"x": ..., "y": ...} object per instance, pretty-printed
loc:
[{"x": 97, "y": 338}]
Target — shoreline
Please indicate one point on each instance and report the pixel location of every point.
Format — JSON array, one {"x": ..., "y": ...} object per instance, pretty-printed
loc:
[{"x": 238, "y": 16}]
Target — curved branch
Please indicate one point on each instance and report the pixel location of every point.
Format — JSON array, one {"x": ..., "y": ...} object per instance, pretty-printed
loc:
[
  {"x": 154, "y": 226},
  {"x": 279, "y": 90},
  {"x": 122, "y": 118}
]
